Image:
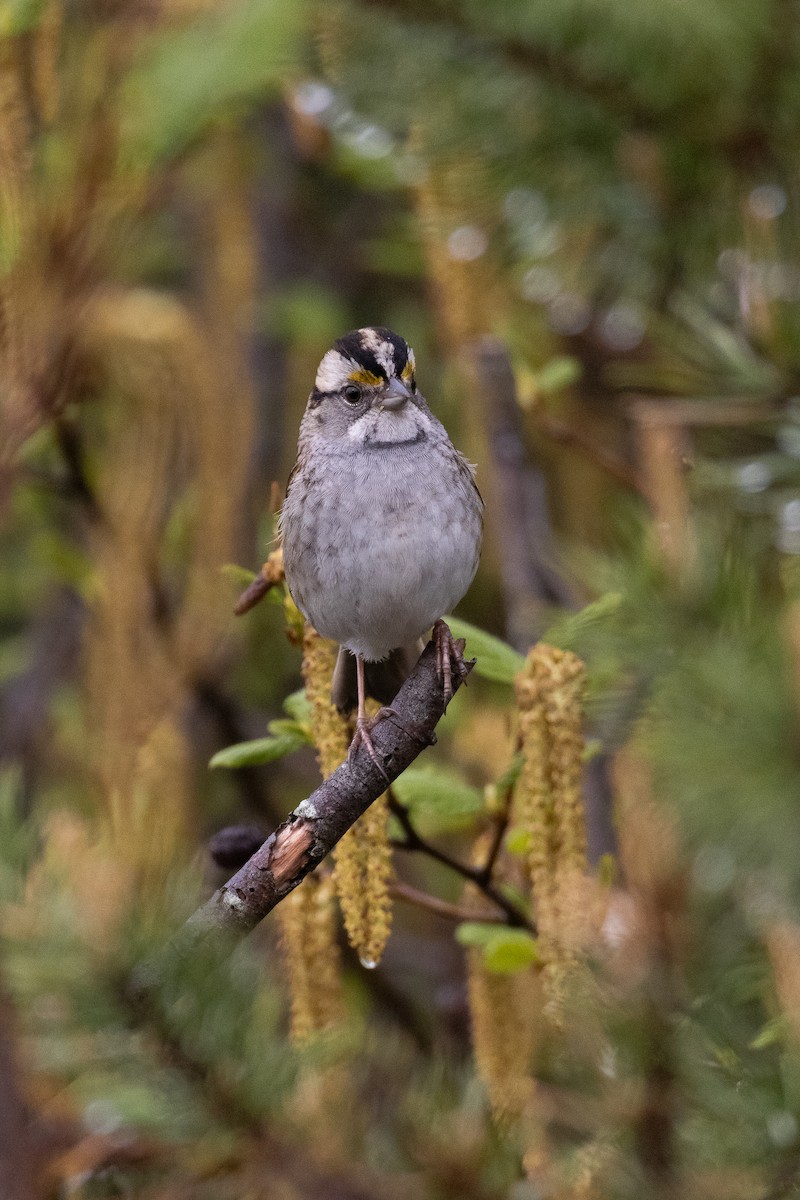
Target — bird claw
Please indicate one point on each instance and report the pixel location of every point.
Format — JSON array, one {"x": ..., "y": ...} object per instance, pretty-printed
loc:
[
  {"x": 448, "y": 653},
  {"x": 361, "y": 737}
]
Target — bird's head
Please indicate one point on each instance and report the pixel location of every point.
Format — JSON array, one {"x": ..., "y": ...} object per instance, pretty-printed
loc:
[{"x": 366, "y": 391}]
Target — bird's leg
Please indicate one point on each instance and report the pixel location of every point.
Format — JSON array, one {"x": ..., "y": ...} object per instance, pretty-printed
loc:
[
  {"x": 364, "y": 724},
  {"x": 448, "y": 654}
]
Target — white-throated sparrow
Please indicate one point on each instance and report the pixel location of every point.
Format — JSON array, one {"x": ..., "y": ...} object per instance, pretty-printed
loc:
[{"x": 382, "y": 522}]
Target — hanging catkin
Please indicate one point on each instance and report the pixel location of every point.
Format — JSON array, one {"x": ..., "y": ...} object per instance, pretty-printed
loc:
[
  {"x": 363, "y": 857},
  {"x": 308, "y": 917},
  {"x": 548, "y": 801},
  {"x": 363, "y": 876},
  {"x": 311, "y": 954}
]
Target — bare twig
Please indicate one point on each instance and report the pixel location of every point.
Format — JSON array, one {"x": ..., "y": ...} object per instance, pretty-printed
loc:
[
  {"x": 271, "y": 574},
  {"x": 569, "y": 435},
  {"x": 442, "y": 908},
  {"x": 414, "y": 841},
  {"x": 309, "y": 833},
  {"x": 532, "y": 581},
  {"x": 500, "y": 826}
]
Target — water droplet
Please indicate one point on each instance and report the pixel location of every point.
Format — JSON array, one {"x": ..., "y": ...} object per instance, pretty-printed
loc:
[
  {"x": 731, "y": 262},
  {"x": 788, "y": 439},
  {"x": 467, "y": 243},
  {"x": 369, "y": 141},
  {"x": 622, "y": 328},
  {"x": 754, "y": 477},
  {"x": 524, "y": 206},
  {"x": 767, "y": 201},
  {"x": 369, "y": 964},
  {"x": 782, "y": 1128},
  {"x": 312, "y": 98},
  {"x": 540, "y": 285},
  {"x": 788, "y": 537},
  {"x": 409, "y": 169},
  {"x": 714, "y": 869},
  {"x": 569, "y": 313},
  {"x": 102, "y": 1117}
]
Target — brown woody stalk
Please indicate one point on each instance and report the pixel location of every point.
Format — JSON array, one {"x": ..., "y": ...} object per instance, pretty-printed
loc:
[{"x": 311, "y": 831}]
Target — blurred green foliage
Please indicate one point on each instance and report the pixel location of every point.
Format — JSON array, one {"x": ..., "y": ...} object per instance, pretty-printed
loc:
[{"x": 195, "y": 200}]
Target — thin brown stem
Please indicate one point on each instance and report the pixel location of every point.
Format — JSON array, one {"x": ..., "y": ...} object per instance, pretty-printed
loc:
[
  {"x": 500, "y": 827},
  {"x": 414, "y": 842},
  {"x": 568, "y": 435},
  {"x": 442, "y": 908}
]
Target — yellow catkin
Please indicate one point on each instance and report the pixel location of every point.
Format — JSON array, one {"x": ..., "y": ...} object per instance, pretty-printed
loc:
[
  {"x": 502, "y": 1016},
  {"x": 590, "y": 1166},
  {"x": 363, "y": 857},
  {"x": 548, "y": 802},
  {"x": 333, "y": 36},
  {"x": 329, "y": 729},
  {"x": 46, "y": 49},
  {"x": 363, "y": 878},
  {"x": 311, "y": 953},
  {"x": 782, "y": 939},
  {"x": 18, "y": 280},
  {"x": 452, "y": 193},
  {"x": 308, "y": 917},
  {"x": 503, "y": 1019}
]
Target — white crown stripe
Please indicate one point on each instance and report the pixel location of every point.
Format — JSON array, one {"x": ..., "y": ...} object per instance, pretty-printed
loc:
[
  {"x": 383, "y": 350},
  {"x": 334, "y": 371}
]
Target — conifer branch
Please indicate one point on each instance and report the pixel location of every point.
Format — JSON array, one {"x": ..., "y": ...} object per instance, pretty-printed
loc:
[{"x": 311, "y": 831}]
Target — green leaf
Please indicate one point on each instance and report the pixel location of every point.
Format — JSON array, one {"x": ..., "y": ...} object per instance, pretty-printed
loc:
[
  {"x": 509, "y": 951},
  {"x": 505, "y": 950},
  {"x": 305, "y": 313},
  {"x": 511, "y": 774},
  {"x": 297, "y": 706},
  {"x": 558, "y": 373},
  {"x": 496, "y": 660},
  {"x": 18, "y": 16},
  {"x": 287, "y": 728},
  {"x": 774, "y": 1031},
  {"x": 592, "y": 749},
  {"x": 476, "y": 933},
  {"x": 261, "y": 750},
  {"x": 437, "y": 791},
  {"x": 196, "y": 74},
  {"x": 607, "y": 871},
  {"x": 518, "y": 841},
  {"x": 568, "y": 630},
  {"x": 237, "y": 575}
]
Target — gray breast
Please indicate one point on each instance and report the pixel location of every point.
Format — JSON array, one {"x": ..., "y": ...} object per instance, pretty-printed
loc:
[{"x": 380, "y": 542}]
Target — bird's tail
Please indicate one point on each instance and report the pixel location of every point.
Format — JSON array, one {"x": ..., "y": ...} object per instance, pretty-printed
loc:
[{"x": 383, "y": 679}]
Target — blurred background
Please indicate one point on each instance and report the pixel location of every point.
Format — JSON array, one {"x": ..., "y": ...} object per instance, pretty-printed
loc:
[{"x": 585, "y": 218}]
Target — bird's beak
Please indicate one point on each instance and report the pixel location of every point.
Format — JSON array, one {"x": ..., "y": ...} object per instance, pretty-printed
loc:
[{"x": 394, "y": 395}]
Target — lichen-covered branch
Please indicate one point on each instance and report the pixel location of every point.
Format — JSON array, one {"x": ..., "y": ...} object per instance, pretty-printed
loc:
[{"x": 309, "y": 833}]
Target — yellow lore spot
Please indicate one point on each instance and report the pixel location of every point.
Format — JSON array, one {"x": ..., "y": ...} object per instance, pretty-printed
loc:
[{"x": 364, "y": 376}]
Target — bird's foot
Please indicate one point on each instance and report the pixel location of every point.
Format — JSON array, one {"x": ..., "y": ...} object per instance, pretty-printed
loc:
[
  {"x": 362, "y": 737},
  {"x": 449, "y": 654}
]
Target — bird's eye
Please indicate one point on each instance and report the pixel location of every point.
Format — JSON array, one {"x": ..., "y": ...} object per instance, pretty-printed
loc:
[{"x": 352, "y": 393}]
